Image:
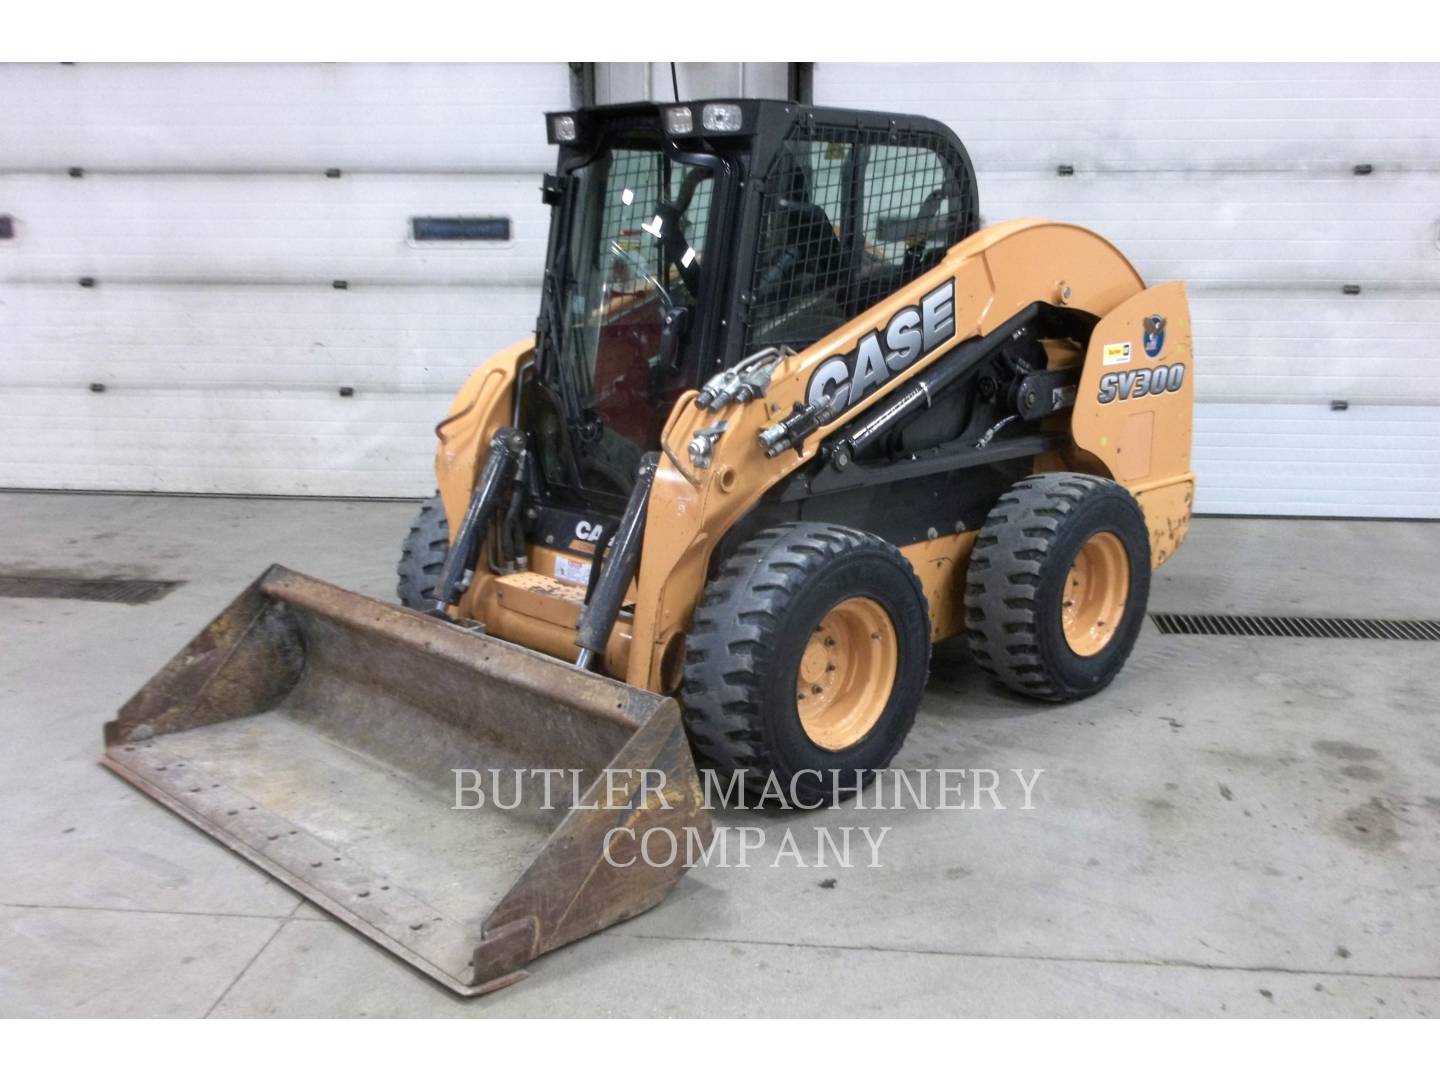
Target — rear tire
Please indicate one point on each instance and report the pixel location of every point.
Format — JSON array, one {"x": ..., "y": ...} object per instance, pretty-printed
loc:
[
  {"x": 807, "y": 657},
  {"x": 1057, "y": 585},
  {"x": 422, "y": 555}
]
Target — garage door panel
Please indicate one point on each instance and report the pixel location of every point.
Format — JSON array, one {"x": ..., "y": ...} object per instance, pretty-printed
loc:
[
  {"x": 1318, "y": 274},
  {"x": 1306, "y": 459},
  {"x": 1256, "y": 228},
  {"x": 1294, "y": 348},
  {"x": 1340, "y": 466},
  {"x": 270, "y": 228},
  {"x": 1188, "y": 204},
  {"x": 1108, "y": 145},
  {"x": 1102, "y": 89},
  {"x": 204, "y": 441},
  {"x": 260, "y": 309},
  {"x": 272, "y": 336},
  {"x": 1190, "y": 115},
  {"x": 1317, "y": 387},
  {"x": 1320, "y": 423},
  {"x": 1291, "y": 314},
  {"x": 251, "y": 117},
  {"x": 1225, "y": 341},
  {"x": 234, "y": 366},
  {"x": 1310, "y": 446}
]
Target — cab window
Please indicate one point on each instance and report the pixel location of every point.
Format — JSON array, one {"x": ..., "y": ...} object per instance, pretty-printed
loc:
[{"x": 847, "y": 218}]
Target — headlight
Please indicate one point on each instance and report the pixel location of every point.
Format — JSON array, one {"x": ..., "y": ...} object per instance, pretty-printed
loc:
[
  {"x": 718, "y": 117},
  {"x": 562, "y": 128},
  {"x": 679, "y": 120}
]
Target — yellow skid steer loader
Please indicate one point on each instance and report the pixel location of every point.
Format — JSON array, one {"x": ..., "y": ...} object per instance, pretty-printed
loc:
[{"x": 789, "y": 416}]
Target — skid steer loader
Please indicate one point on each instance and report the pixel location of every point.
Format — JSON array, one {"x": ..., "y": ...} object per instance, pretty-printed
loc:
[{"x": 788, "y": 417}]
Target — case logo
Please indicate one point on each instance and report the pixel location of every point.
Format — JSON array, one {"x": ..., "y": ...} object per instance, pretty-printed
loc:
[{"x": 913, "y": 332}]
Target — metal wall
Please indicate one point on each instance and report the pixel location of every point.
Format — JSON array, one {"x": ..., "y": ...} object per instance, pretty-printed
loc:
[
  {"x": 203, "y": 269},
  {"x": 1273, "y": 191},
  {"x": 190, "y": 268}
]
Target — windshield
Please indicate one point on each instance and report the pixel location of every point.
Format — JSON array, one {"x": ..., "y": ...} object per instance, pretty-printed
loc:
[{"x": 635, "y": 255}]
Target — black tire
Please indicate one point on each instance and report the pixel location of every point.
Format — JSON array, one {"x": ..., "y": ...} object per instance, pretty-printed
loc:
[
  {"x": 1015, "y": 585},
  {"x": 422, "y": 555},
  {"x": 748, "y": 637}
]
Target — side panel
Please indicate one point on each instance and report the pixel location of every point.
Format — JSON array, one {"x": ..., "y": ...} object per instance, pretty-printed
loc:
[
  {"x": 484, "y": 403},
  {"x": 1135, "y": 405}
]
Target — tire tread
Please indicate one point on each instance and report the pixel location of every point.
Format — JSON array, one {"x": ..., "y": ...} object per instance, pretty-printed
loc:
[
  {"x": 1001, "y": 609},
  {"x": 729, "y": 646},
  {"x": 422, "y": 554}
]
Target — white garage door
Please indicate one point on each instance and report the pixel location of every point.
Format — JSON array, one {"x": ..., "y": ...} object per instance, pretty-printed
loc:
[
  {"x": 1300, "y": 205},
  {"x": 185, "y": 291}
]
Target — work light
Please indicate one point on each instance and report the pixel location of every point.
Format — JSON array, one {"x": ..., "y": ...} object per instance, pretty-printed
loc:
[
  {"x": 679, "y": 120},
  {"x": 562, "y": 128},
  {"x": 718, "y": 117}
]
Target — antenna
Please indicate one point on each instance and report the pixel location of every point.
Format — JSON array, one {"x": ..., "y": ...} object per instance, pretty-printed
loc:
[{"x": 674, "y": 81}]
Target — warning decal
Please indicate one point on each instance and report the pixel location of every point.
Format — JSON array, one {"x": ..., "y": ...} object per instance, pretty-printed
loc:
[{"x": 1117, "y": 354}]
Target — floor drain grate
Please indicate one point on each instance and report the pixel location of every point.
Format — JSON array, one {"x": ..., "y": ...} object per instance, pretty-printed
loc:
[
  {"x": 1299, "y": 626},
  {"x": 104, "y": 590}
]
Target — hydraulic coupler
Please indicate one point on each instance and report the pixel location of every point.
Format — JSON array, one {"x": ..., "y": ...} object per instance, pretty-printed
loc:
[{"x": 803, "y": 422}]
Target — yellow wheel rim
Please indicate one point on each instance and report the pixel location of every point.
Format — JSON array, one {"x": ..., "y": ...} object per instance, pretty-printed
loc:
[
  {"x": 846, "y": 673},
  {"x": 1095, "y": 593}
]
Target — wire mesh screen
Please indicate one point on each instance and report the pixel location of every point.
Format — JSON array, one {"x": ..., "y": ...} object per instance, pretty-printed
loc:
[
  {"x": 631, "y": 232},
  {"x": 633, "y": 189},
  {"x": 848, "y": 216}
]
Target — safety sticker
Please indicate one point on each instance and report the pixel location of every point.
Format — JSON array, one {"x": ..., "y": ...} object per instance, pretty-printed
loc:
[
  {"x": 572, "y": 570},
  {"x": 1116, "y": 354}
]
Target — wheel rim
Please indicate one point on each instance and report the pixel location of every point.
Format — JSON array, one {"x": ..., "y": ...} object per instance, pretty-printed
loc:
[
  {"x": 1096, "y": 589},
  {"x": 846, "y": 673}
]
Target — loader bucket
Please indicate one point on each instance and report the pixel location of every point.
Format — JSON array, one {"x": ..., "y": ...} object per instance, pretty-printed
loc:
[{"x": 314, "y": 731}]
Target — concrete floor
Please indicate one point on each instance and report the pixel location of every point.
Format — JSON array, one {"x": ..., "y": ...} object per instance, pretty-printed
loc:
[{"x": 1236, "y": 827}]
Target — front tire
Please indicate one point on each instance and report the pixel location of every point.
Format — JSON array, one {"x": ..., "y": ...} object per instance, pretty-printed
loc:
[
  {"x": 1057, "y": 585},
  {"x": 807, "y": 657},
  {"x": 422, "y": 555}
]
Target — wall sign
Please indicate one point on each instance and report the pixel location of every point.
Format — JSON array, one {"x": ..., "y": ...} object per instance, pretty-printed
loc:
[{"x": 452, "y": 229}]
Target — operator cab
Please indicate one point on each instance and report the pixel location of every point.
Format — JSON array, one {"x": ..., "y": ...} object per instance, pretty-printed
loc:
[{"x": 686, "y": 237}]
